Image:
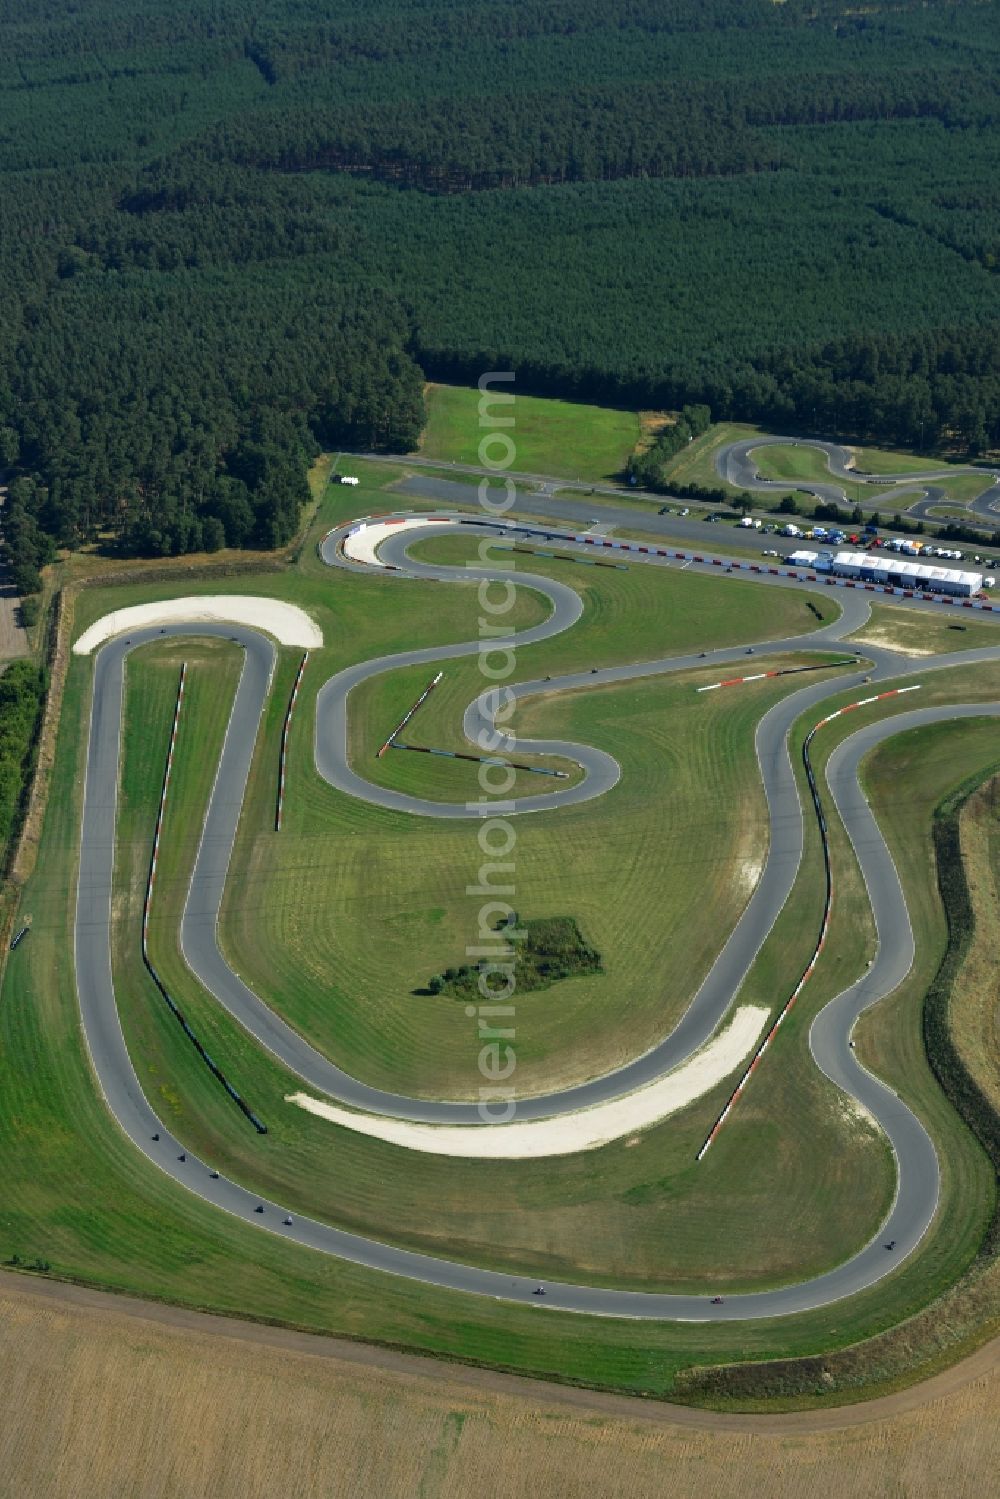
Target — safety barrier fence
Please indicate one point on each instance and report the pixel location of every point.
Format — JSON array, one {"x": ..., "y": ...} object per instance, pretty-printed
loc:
[
  {"x": 562, "y": 557},
  {"x": 409, "y": 713},
  {"x": 285, "y": 730},
  {"x": 785, "y": 671},
  {"x": 734, "y": 564},
  {"x": 729, "y": 564},
  {"x": 422, "y": 749},
  {"x": 827, "y": 905},
  {"x": 171, "y": 1003}
]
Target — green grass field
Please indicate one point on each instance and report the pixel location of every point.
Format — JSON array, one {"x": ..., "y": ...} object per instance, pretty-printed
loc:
[
  {"x": 792, "y": 463},
  {"x": 695, "y": 464},
  {"x": 76, "y": 1193},
  {"x": 921, "y": 634},
  {"x": 619, "y": 1235},
  {"x": 563, "y": 438},
  {"x": 890, "y": 461},
  {"x": 683, "y": 614},
  {"x": 614, "y": 1206},
  {"x": 804, "y": 464}
]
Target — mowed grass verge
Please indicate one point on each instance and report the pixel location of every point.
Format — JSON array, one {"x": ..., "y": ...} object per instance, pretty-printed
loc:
[
  {"x": 566, "y": 439},
  {"x": 599, "y": 1215},
  {"x": 355, "y": 907},
  {"x": 805, "y": 464},
  {"x": 639, "y": 614},
  {"x": 689, "y": 1196},
  {"x": 78, "y": 1194}
]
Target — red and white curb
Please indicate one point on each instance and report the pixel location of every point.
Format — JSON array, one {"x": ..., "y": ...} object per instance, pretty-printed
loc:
[
  {"x": 732, "y": 564},
  {"x": 729, "y": 564},
  {"x": 409, "y": 714},
  {"x": 827, "y": 907},
  {"x": 779, "y": 671},
  {"x": 758, "y": 676},
  {"x": 285, "y": 730}
]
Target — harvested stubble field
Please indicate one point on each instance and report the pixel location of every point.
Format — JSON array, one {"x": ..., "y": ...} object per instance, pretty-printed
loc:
[{"x": 105, "y": 1400}]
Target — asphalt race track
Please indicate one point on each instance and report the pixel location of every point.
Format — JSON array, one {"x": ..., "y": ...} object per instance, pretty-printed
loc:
[
  {"x": 735, "y": 463},
  {"x": 917, "y": 1190},
  {"x": 540, "y": 494}
]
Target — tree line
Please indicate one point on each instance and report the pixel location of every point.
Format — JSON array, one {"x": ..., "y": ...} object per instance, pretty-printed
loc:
[{"x": 233, "y": 236}]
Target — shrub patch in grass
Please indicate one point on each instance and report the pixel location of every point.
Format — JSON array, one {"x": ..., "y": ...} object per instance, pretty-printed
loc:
[{"x": 541, "y": 952}]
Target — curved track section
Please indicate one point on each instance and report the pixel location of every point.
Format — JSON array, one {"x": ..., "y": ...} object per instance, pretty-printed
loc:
[
  {"x": 735, "y": 464},
  {"x": 199, "y": 928},
  {"x": 916, "y": 1198}
]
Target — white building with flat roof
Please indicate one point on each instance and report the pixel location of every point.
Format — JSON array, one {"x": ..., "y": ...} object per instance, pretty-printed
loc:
[{"x": 900, "y": 572}]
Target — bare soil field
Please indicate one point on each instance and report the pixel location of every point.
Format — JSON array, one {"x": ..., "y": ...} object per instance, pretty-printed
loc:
[{"x": 106, "y": 1396}]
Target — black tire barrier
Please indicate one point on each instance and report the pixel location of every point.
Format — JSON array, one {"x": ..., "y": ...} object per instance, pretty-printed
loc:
[
  {"x": 423, "y": 749},
  {"x": 285, "y": 730},
  {"x": 409, "y": 714},
  {"x": 171, "y": 1003},
  {"x": 827, "y": 909}
]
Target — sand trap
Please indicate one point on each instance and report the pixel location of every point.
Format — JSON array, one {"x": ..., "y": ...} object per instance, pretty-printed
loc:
[
  {"x": 362, "y": 544},
  {"x": 889, "y": 641},
  {"x": 289, "y": 624},
  {"x": 568, "y": 1133}
]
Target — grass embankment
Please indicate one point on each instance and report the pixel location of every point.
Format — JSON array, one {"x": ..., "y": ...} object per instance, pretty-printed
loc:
[
  {"x": 956, "y": 1025},
  {"x": 695, "y": 464},
  {"x": 563, "y": 438},
  {"x": 887, "y": 461},
  {"x": 972, "y": 1000}
]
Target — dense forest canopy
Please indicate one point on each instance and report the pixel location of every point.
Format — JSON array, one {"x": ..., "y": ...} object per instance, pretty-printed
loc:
[{"x": 233, "y": 234}]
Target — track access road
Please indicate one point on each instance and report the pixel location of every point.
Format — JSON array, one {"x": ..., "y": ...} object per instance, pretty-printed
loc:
[{"x": 917, "y": 1194}]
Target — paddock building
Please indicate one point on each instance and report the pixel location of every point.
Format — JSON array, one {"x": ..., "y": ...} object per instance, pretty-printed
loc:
[{"x": 903, "y": 572}]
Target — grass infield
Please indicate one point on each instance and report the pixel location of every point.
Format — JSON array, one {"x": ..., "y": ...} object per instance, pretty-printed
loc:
[{"x": 77, "y": 1194}]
